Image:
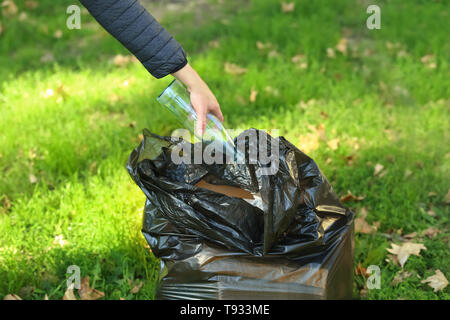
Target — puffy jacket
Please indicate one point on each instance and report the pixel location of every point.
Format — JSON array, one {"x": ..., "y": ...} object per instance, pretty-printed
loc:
[{"x": 140, "y": 33}]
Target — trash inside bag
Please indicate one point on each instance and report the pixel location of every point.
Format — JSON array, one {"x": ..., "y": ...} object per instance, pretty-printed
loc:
[{"x": 228, "y": 231}]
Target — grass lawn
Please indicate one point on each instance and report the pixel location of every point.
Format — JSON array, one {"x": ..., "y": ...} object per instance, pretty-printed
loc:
[{"x": 358, "y": 101}]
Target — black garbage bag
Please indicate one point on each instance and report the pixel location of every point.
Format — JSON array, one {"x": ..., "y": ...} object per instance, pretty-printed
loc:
[{"x": 292, "y": 239}]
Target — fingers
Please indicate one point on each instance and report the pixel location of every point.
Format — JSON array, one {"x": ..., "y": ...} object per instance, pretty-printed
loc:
[
  {"x": 201, "y": 121},
  {"x": 218, "y": 113}
]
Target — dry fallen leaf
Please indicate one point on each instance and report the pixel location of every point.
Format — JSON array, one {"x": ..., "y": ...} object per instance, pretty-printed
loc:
[
  {"x": 12, "y": 297},
  {"x": 431, "y": 213},
  {"x": 234, "y": 69},
  {"x": 9, "y": 8},
  {"x": 58, "y": 240},
  {"x": 88, "y": 293},
  {"x": 272, "y": 91},
  {"x": 330, "y": 53},
  {"x": 31, "y": 4},
  {"x": 361, "y": 271},
  {"x": 363, "y": 293},
  {"x": 405, "y": 250},
  {"x": 350, "y": 197},
  {"x": 400, "y": 276},
  {"x": 447, "y": 197},
  {"x": 58, "y": 34},
  {"x": 253, "y": 95},
  {"x": 342, "y": 46},
  {"x": 438, "y": 281},
  {"x": 333, "y": 144},
  {"x": 378, "y": 168},
  {"x": 32, "y": 178},
  {"x": 136, "y": 288},
  {"x": 121, "y": 60},
  {"x": 214, "y": 44},
  {"x": 287, "y": 7},
  {"x": 5, "y": 202},
  {"x": 69, "y": 295},
  {"x": 298, "y": 58},
  {"x": 362, "y": 226},
  {"x": 263, "y": 46},
  {"x": 308, "y": 142},
  {"x": 430, "y": 232},
  {"x": 410, "y": 235}
]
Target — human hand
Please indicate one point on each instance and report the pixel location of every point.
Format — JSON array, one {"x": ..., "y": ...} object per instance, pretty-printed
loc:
[{"x": 202, "y": 99}]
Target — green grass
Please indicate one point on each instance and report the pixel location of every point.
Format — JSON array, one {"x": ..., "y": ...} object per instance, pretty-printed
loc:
[{"x": 76, "y": 142}]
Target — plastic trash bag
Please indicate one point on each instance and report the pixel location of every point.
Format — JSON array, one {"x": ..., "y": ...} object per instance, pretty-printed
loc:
[{"x": 292, "y": 240}]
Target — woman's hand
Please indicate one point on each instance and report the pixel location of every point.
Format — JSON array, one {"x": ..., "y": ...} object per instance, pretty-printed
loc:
[{"x": 202, "y": 99}]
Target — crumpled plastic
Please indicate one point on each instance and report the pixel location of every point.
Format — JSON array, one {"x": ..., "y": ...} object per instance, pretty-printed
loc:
[{"x": 294, "y": 240}]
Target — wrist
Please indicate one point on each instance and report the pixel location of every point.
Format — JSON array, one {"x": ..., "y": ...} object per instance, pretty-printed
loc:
[{"x": 189, "y": 77}]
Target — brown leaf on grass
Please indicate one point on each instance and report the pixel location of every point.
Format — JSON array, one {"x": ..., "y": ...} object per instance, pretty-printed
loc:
[
  {"x": 121, "y": 60},
  {"x": 69, "y": 295},
  {"x": 311, "y": 141},
  {"x": 214, "y": 44},
  {"x": 263, "y": 46},
  {"x": 88, "y": 293},
  {"x": 274, "y": 54},
  {"x": 272, "y": 91},
  {"x": 5, "y": 202},
  {"x": 438, "y": 281},
  {"x": 93, "y": 167},
  {"x": 405, "y": 250},
  {"x": 31, "y": 4},
  {"x": 9, "y": 8},
  {"x": 298, "y": 58},
  {"x": 59, "y": 240},
  {"x": 341, "y": 46},
  {"x": 287, "y": 7},
  {"x": 32, "y": 178},
  {"x": 363, "y": 293},
  {"x": 350, "y": 197},
  {"x": 1, "y": 28},
  {"x": 333, "y": 143},
  {"x": 429, "y": 60},
  {"x": 379, "y": 170},
  {"x": 447, "y": 197},
  {"x": 361, "y": 271},
  {"x": 253, "y": 95},
  {"x": 58, "y": 34},
  {"x": 362, "y": 226},
  {"x": 330, "y": 53},
  {"x": 430, "y": 232},
  {"x": 234, "y": 69},
  {"x": 410, "y": 236},
  {"x": 308, "y": 142},
  {"x": 350, "y": 160},
  {"x": 135, "y": 289},
  {"x": 400, "y": 276},
  {"x": 431, "y": 213},
  {"x": 12, "y": 297},
  {"x": 432, "y": 194}
]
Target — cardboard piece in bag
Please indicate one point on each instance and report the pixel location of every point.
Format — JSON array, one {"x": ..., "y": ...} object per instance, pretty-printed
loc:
[{"x": 230, "y": 191}]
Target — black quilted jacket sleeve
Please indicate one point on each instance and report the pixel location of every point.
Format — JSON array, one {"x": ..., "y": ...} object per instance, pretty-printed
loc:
[{"x": 140, "y": 33}]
